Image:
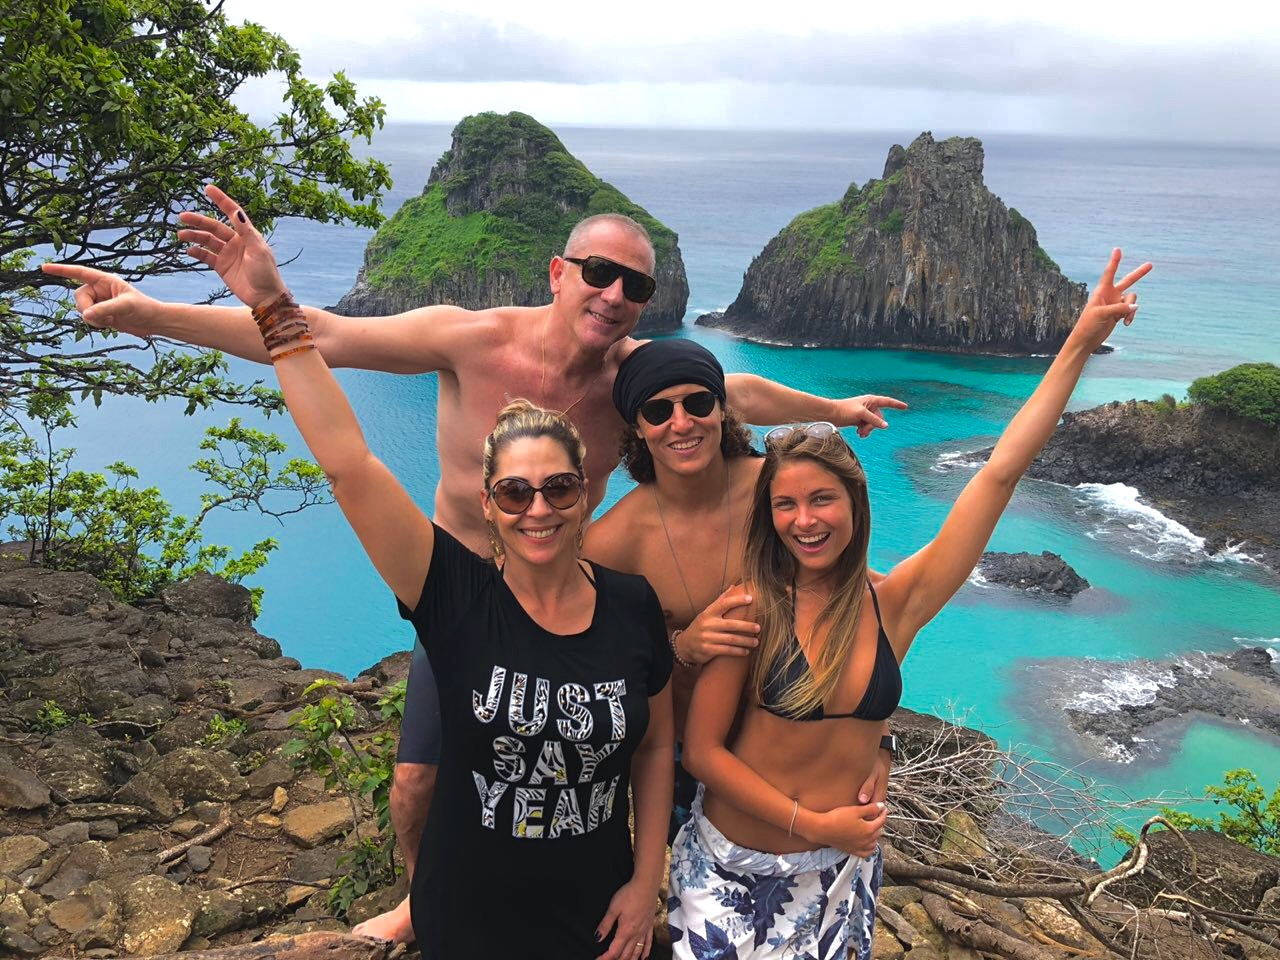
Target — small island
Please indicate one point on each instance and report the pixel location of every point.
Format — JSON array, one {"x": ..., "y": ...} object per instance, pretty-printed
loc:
[
  {"x": 498, "y": 205},
  {"x": 924, "y": 258},
  {"x": 1045, "y": 573}
]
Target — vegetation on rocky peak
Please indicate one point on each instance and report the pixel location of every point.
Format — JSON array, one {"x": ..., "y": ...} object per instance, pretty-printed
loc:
[{"x": 503, "y": 197}]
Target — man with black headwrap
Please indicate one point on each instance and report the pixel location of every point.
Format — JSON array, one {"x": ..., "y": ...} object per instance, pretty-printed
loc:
[{"x": 682, "y": 528}]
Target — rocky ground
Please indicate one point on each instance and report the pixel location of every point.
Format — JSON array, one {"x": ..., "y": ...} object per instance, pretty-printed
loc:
[
  {"x": 130, "y": 825},
  {"x": 1047, "y": 573}
]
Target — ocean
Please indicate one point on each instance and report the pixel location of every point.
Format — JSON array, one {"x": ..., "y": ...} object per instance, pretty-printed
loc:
[{"x": 1005, "y": 662}]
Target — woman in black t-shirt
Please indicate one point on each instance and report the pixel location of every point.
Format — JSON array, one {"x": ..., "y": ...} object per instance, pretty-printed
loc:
[{"x": 552, "y": 672}]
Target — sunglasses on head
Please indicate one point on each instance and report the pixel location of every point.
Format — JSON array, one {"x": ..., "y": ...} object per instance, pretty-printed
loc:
[
  {"x": 819, "y": 430},
  {"x": 657, "y": 412},
  {"x": 601, "y": 272},
  {"x": 515, "y": 496}
]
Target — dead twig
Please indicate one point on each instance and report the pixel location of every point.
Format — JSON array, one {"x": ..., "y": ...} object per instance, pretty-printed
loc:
[{"x": 213, "y": 833}]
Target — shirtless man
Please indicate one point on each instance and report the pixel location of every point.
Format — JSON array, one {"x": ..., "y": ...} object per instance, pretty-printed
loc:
[
  {"x": 563, "y": 356},
  {"x": 682, "y": 528}
]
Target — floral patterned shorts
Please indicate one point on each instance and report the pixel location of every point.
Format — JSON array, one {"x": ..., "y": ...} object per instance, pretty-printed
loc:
[{"x": 729, "y": 902}]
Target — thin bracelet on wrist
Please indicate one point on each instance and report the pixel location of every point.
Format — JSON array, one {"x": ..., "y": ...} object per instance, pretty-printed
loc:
[{"x": 675, "y": 650}]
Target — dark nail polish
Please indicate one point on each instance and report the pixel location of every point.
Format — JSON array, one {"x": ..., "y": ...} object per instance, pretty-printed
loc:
[{"x": 240, "y": 214}]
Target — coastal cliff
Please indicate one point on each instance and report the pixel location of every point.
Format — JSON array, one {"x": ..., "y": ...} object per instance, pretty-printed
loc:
[
  {"x": 149, "y": 806},
  {"x": 498, "y": 204},
  {"x": 926, "y": 257},
  {"x": 1216, "y": 473}
]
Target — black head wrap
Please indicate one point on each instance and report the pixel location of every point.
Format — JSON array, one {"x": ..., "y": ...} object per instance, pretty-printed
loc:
[{"x": 654, "y": 366}]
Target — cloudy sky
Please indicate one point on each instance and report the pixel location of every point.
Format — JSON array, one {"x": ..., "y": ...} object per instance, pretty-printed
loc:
[{"x": 1108, "y": 70}]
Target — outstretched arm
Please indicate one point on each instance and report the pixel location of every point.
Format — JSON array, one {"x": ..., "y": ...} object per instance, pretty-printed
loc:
[
  {"x": 394, "y": 532},
  {"x": 413, "y": 342},
  {"x": 764, "y": 402},
  {"x": 925, "y": 581}
]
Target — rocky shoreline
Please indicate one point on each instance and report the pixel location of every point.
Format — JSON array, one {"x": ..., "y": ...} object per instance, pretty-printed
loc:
[
  {"x": 1242, "y": 687},
  {"x": 1216, "y": 474},
  {"x": 146, "y": 807}
]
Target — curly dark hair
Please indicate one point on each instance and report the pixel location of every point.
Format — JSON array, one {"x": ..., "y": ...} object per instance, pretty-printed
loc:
[{"x": 735, "y": 441}]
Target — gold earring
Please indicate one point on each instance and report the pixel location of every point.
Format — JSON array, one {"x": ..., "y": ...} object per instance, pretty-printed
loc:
[
  {"x": 495, "y": 542},
  {"x": 582, "y": 531}
]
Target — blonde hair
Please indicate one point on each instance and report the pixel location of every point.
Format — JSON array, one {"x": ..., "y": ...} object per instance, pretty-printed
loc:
[
  {"x": 771, "y": 570},
  {"x": 520, "y": 419}
]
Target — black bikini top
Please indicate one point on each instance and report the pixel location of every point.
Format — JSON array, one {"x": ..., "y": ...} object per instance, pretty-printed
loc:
[{"x": 884, "y": 689}]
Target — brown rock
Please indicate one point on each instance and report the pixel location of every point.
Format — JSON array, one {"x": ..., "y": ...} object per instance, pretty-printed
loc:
[
  {"x": 20, "y": 852},
  {"x": 21, "y": 789},
  {"x": 205, "y": 595},
  {"x": 194, "y": 774},
  {"x": 279, "y": 799},
  {"x": 91, "y": 916},
  {"x": 123, "y": 813},
  {"x": 157, "y": 916},
  {"x": 147, "y": 790},
  {"x": 962, "y": 838},
  {"x": 1229, "y": 875},
  {"x": 272, "y": 774},
  {"x": 885, "y": 946},
  {"x": 313, "y": 824}
]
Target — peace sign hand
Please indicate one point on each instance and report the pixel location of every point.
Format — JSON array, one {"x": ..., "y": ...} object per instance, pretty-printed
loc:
[
  {"x": 1110, "y": 302},
  {"x": 235, "y": 249}
]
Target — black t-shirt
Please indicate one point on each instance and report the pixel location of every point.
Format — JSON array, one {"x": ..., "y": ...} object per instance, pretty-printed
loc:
[{"x": 527, "y": 839}]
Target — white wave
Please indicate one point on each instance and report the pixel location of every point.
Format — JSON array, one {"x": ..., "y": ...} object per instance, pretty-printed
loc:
[
  {"x": 956, "y": 459},
  {"x": 1149, "y": 532},
  {"x": 978, "y": 580},
  {"x": 1127, "y": 687},
  {"x": 1270, "y": 644}
]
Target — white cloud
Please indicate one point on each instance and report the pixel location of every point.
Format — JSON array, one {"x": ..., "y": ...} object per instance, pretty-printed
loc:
[{"x": 823, "y": 65}]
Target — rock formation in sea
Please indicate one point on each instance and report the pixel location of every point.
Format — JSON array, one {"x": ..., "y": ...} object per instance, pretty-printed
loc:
[
  {"x": 1216, "y": 473},
  {"x": 147, "y": 807},
  {"x": 926, "y": 257},
  {"x": 1242, "y": 687},
  {"x": 498, "y": 204},
  {"x": 1044, "y": 573}
]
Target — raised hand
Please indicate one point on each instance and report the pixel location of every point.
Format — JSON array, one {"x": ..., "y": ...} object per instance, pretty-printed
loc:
[
  {"x": 864, "y": 412},
  {"x": 713, "y": 632},
  {"x": 104, "y": 300},
  {"x": 235, "y": 249},
  {"x": 1112, "y": 301}
]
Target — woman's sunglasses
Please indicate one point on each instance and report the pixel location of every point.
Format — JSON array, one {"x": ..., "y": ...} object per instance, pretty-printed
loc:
[
  {"x": 513, "y": 496},
  {"x": 601, "y": 272},
  {"x": 658, "y": 412},
  {"x": 818, "y": 430}
]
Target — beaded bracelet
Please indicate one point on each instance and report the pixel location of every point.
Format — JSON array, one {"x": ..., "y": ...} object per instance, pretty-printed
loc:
[{"x": 675, "y": 651}]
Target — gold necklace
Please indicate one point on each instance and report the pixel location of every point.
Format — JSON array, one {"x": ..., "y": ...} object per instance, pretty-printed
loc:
[
  {"x": 728, "y": 535},
  {"x": 542, "y": 377}
]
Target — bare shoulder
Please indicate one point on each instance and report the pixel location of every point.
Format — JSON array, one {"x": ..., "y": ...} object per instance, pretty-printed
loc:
[{"x": 612, "y": 539}]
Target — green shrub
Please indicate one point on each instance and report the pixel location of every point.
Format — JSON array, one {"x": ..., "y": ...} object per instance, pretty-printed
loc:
[
  {"x": 128, "y": 536},
  {"x": 891, "y": 224},
  {"x": 1251, "y": 817},
  {"x": 1250, "y": 390}
]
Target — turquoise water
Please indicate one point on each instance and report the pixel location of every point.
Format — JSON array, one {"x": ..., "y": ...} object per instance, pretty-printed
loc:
[{"x": 1205, "y": 215}]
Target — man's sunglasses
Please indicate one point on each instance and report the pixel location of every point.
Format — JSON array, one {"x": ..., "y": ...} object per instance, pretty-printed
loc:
[
  {"x": 513, "y": 496},
  {"x": 601, "y": 272},
  {"x": 658, "y": 412},
  {"x": 819, "y": 430}
]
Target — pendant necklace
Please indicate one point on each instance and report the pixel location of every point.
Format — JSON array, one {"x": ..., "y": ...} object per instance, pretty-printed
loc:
[
  {"x": 542, "y": 379},
  {"x": 728, "y": 536}
]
